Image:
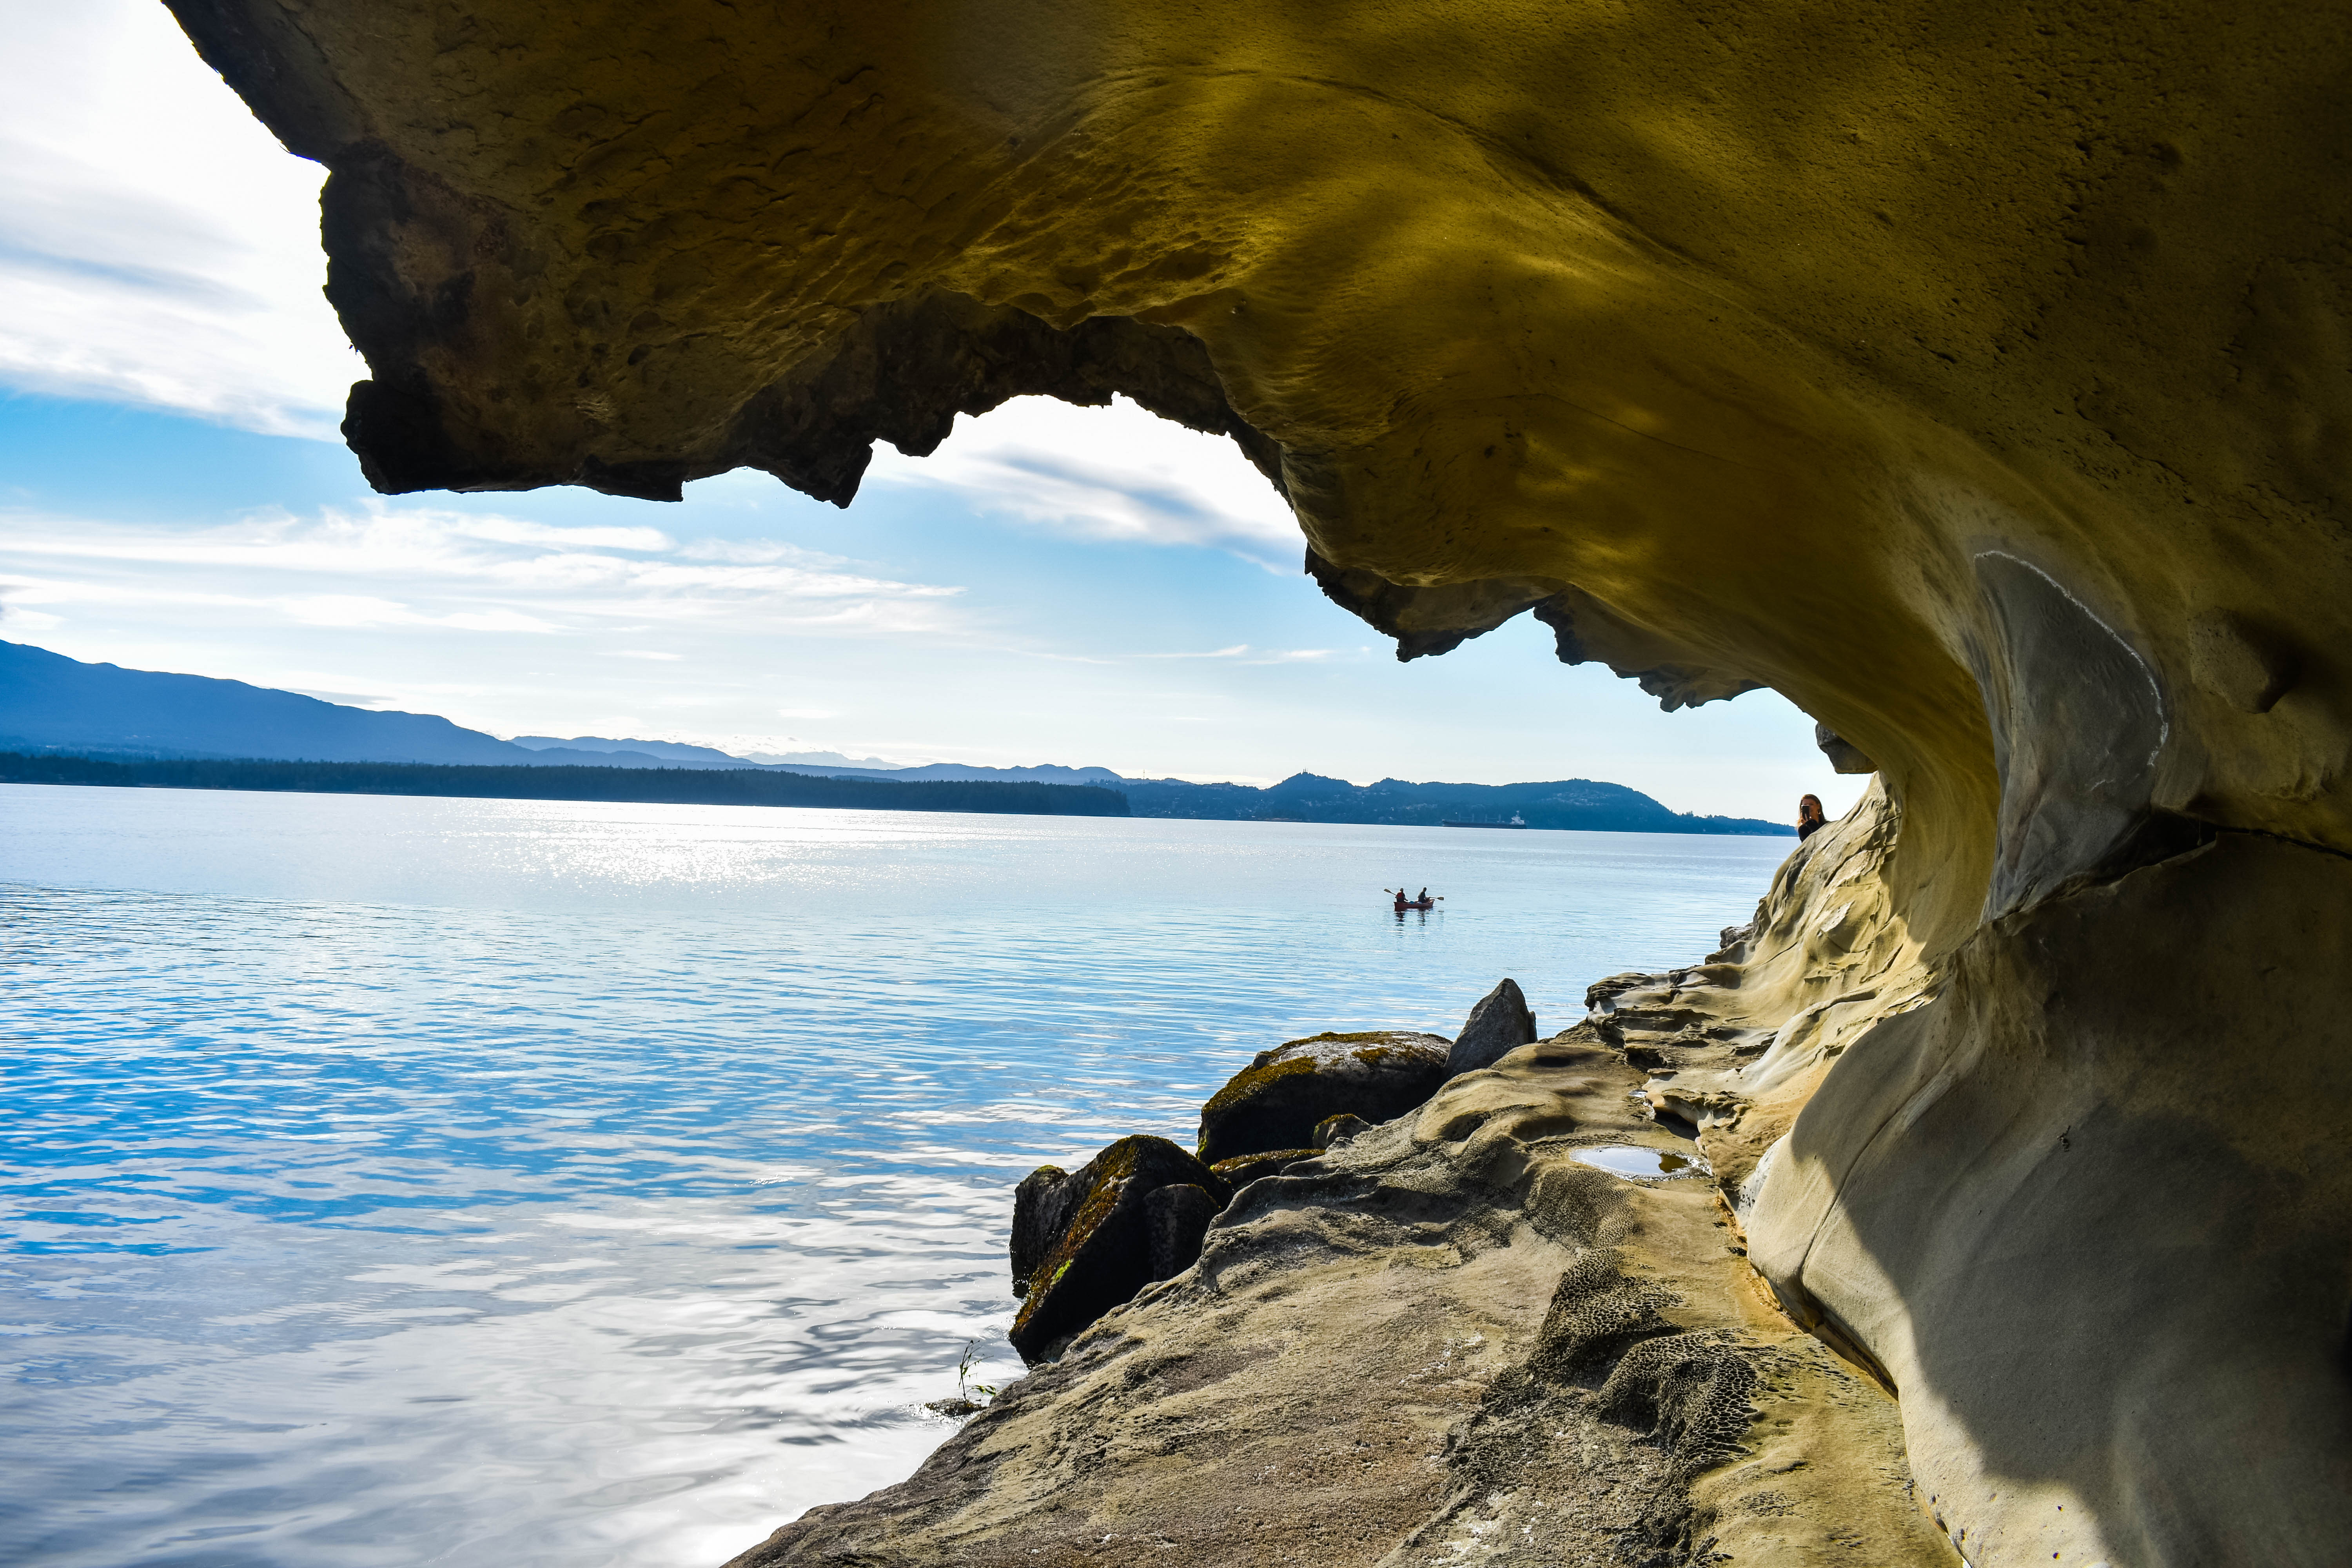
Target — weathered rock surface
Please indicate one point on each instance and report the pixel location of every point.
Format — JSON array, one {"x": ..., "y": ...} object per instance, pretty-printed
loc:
[
  {"x": 1243, "y": 1169},
  {"x": 1454, "y": 1343},
  {"x": 2055, "y": 1103},
  {"x": 1978, "y": 377},
  {"x": 2011, "y": 361},
  {"x": 1276, "y": 1100},
  {"x": 1895, "y": 1133},
  {"x": 1131, "y": 1215},
  {"x": 1736, "y": 1045},
  {"x": 1333, "y": 1131},
  {"x": 1500, "y": 1023},
  {"x": 1176, "y": 1219},
  {"x": 1042, "y": 1205}
]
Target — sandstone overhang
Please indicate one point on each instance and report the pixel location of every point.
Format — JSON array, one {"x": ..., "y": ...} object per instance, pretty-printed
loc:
[{"x": 1980, "y": 377}]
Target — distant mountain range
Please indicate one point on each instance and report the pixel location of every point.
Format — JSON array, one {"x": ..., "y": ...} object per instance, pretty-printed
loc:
[
  {"x": 1578, "y": 804},
  {"x": 668, "y": 753},
  {"x": 50, "y": 704}
]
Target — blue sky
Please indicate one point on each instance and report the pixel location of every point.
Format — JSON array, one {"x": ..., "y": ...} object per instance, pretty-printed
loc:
[{"x": 1055, "y": 584}]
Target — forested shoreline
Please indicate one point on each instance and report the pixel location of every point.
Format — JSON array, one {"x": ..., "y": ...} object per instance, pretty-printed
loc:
[{"x": 659, "y": 786}]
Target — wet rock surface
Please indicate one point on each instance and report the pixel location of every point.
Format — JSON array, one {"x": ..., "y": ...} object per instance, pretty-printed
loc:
[{"x": 1276, "y": 1101}]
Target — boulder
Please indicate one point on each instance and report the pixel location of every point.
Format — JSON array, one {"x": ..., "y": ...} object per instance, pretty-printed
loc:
[
  {"x": 1109, "y": 1238},
  {"x": 1175, "y": 1220},
  {"x": 1334, "y": 1131},
  {"x": 1497, "y": 1025},
  {"x": 1276, "y": 1100},
  {"x": 1041, "y": 1208},
  {"x": 1243, "y": 1169}
]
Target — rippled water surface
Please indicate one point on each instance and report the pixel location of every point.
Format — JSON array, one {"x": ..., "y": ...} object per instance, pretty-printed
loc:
[{"x": 404, "y": 1182}]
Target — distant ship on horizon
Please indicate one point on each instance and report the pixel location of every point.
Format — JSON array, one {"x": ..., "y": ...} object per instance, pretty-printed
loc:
[{"x": 1517, "y": 821}]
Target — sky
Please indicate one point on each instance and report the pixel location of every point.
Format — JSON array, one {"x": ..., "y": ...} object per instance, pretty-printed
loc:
[{"x": 1055, "y": 584}]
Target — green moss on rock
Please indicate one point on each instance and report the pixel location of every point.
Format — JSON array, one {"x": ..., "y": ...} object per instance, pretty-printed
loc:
[
  {"x": 1104, "y": 1253},
  {"x": 1243, "y": 1169},
  {"x": 1276, "y": 1102}
]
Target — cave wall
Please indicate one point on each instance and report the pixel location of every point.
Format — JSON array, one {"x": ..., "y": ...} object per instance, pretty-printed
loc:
[{"x": 1977, "y": 376}]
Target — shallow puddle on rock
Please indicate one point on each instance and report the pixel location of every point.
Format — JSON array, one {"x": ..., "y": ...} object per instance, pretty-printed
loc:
[{"x": 1636, "y": 1160}]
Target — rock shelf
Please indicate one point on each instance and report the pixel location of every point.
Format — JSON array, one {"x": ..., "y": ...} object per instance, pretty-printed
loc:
[
  {"x": 1449, "y": 1340},
  {"x": 1515, "y": 1322}
]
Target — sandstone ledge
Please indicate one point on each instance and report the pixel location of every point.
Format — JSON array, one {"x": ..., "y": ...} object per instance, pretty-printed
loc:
[{"x": 1449, "y": 1339}]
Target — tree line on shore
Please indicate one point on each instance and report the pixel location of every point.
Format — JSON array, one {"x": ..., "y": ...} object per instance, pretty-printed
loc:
[{"x": 670, "y": 787}]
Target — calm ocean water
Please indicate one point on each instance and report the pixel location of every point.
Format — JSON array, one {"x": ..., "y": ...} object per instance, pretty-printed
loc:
[{"x": 405, "y": 1182}]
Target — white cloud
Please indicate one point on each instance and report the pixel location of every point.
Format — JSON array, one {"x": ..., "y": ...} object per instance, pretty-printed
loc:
[
  {"x": 1114, "y": 474},
  {"x": 388, "y": 566},
  {"x": 350, "y": 610},
  {"x": 515, "y": 531},
  {"x": 344, "y": 698},
  {"x": 1241, "y": 652},
  {"x": 758, "y": 552},
  {"x": 157, "y": 246},
  {"x": 498, "y": 621}
]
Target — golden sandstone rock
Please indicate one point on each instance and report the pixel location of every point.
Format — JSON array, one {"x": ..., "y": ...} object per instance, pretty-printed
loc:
[
  {"x": 1979, "y": 377},
  {"x": 1451, "y": 1340}
]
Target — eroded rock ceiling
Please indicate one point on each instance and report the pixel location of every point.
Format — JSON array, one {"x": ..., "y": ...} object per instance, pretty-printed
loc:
[{"x": 1977, "y": 376}]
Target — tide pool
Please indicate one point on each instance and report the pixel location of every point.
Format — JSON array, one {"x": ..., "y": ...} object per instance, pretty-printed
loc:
[{"x": 392, "y": 1182}]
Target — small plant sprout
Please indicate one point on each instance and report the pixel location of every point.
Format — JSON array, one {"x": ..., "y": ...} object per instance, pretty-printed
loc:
[
  {"x": 963, "y": 1403},
  {"x": 965, "y": 1388}
]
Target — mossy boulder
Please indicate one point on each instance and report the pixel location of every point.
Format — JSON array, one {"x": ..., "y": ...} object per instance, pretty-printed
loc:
[
  {"x": 1243, "y": 1169},
  {"x": 1175, "y": 1223},
  {"x": 1345, "y": 1127},
  {"x": 1041, "y": 1212},
  {"x": 1094, "y": 1238},
  {"x": 1276, "y": 1101}
]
